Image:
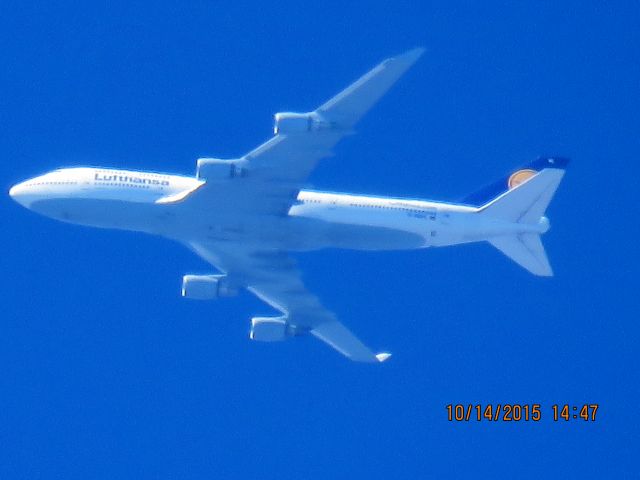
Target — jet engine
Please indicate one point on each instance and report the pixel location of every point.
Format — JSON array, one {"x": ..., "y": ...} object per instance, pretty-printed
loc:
[
  {"x": 287, "y": 123},
  {"x": 207, "y": 287},
  {"x": 219, "y": 169},
  {"x": 269, "y": 329}
]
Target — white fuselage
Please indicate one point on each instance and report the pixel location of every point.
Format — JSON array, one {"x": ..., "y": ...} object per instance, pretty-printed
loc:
[{"x": 127, "y": 200}]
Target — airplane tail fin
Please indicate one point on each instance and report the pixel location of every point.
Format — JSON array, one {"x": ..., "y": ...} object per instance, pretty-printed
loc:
[{"x": 524, "y": 198}]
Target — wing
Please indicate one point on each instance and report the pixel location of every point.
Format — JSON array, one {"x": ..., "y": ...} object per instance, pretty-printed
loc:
[
  {"x": 274, "y": 278},
  {"x": 289, "y": 158},
  {"x": 261, "y": 186},
  {"x": 267, "y": 179}
]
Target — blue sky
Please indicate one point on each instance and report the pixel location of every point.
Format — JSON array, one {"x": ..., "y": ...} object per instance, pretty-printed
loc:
[{"x": 106, "y": 372}]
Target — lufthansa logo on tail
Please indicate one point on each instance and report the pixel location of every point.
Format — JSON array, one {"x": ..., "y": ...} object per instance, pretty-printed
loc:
[{"x": 520, "y": 176}]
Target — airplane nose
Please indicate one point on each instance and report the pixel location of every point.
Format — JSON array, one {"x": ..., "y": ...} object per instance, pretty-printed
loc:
[
  {"x": 18, "y": 193},
  {"x": 14, "y": 191}
]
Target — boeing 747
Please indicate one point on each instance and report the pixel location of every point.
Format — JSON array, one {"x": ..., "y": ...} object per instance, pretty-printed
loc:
[{"x": 244, "y": 215}]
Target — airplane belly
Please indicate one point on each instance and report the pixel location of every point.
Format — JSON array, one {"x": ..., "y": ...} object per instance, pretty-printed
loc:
[
  {"x": 100, "y": 213},
  {"x": 338, "y": 228},
  {"x": 363, "y": 237}
]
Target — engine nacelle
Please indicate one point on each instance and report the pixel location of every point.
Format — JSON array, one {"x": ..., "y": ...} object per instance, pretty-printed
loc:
[
  {"x": 288, "y": 123},
  {"x": 269, "y": 329},
  {"x": 218, "y": 169},
  {"x": 207, "y": 287}
]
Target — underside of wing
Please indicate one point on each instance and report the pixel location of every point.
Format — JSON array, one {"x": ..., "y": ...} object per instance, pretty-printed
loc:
[{"x": 274, "y": 278}]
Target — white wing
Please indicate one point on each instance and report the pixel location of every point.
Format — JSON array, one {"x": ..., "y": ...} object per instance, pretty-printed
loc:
[
  {"x": 274, "y": 278},
  {"x": 262, "y": 185},
  {"x": 273, "y": 173},
  {"x": 288, "y": 159}
]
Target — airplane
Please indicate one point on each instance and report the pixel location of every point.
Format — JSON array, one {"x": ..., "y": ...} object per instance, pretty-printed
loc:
[{"x": 244, "y": 215}]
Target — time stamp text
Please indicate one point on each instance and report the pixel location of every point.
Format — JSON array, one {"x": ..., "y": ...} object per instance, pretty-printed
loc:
[{"x": 516, "y": 412}]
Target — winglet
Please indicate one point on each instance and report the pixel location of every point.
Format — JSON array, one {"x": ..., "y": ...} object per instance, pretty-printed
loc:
[{"x": 383, "y": 356}]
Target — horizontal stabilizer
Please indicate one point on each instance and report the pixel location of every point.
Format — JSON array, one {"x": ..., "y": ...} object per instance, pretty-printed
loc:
[{"x": 526, "y": 250}]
